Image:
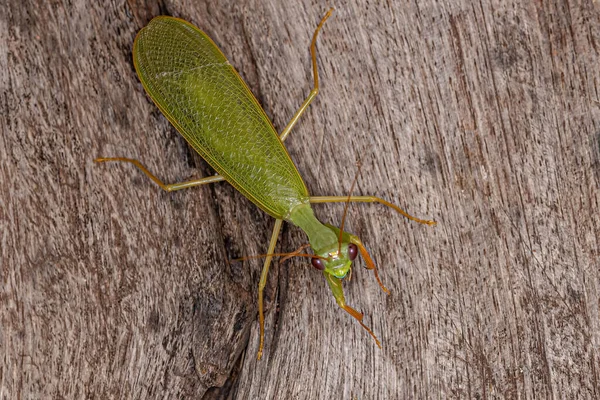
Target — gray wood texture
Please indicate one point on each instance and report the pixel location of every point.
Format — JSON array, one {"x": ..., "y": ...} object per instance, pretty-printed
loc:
[{"x": 482, "y": 115}]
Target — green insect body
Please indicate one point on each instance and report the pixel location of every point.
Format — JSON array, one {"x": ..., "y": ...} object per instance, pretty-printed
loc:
[{"x": 203, "y": 96}]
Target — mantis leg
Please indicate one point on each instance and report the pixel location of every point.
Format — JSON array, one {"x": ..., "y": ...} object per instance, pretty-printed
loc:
[
  {"x": 368, "y": 199},
  {"x": 335, "y": 285},
  {"x": 313, "y": 93},
  {"x": 369, "y": 264},
  {"x": 359, "y": 317},
  {"x": 166, "y": 187},
  {"x": 263, "y": 282}
]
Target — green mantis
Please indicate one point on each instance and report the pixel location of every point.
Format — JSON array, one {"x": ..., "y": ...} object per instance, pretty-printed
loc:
[{"x": 202, "y": 95}]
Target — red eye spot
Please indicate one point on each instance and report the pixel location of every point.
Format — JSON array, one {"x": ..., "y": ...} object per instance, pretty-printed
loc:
[
  {"x": 318, "y": 264},
  {"x": 352, "y": 251}
]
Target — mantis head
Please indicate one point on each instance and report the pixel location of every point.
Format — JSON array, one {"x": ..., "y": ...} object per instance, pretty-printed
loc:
[{"x": 336, "y": 260}]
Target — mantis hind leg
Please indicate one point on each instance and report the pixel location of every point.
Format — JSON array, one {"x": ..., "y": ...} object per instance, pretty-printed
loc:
[
  {"x": 313, "y": 93},
  {"x": 263, "y": 283},
  {"x": 368, "y": 199},
  {"x": 166, "y": 187}
]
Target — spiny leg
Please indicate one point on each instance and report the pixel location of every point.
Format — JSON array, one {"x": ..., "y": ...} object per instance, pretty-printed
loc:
[
  {"x": 335, "y": 284},
  {"x": 359, "y": 317},
  {"x": 368, "y": 261},
  {"x": 166, "y": 187},
  {"x": 313, "y": 93},
  {"x": 263, "y": 282},
  {"x": 368, "y": 199}
]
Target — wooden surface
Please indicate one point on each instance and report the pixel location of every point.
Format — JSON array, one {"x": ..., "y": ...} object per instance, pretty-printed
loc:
[{"x": 483, "y": 115}]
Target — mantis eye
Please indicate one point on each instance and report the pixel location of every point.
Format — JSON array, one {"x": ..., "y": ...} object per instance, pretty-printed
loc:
[
  {"x": 352, "y": 251},
  {"x": 318, "y": 264}
]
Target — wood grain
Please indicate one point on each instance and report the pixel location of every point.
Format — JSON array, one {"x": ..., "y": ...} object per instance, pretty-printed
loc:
[{"x": 483, "y": 115}]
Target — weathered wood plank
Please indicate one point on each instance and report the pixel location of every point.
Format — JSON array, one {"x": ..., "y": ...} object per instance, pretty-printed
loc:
[{"x": 484, "y": 116}]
